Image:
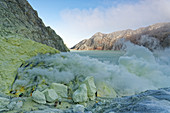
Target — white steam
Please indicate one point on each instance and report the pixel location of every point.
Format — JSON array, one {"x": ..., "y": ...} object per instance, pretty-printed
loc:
[
  {"x": 137, "y": 70},
  {"x": 147, "y": 41}
]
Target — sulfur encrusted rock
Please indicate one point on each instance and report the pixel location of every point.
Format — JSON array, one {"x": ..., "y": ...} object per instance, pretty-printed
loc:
[
  {"x": 104, "y": 90},
  {"x": 38, "y": 97},
  {"x": 91, "y": 88},
  {"x": 80, "y": 95},
  {"x": 60, "y": 89},
  {"x": 14, "y": 51},
  {"x": 50, "y": 95}
]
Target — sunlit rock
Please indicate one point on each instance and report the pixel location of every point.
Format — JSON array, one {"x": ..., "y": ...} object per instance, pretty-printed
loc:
[
  {"x": 38, "y": 97},
  {"x": 104, "y": 90},
  {"x": 152, "y": 37},
  {"x": 50, "y": 95},
  {"x": 80, "y": 95},
  {"x": 91, "y": 88},
  {"x": 60, "y": 89}
]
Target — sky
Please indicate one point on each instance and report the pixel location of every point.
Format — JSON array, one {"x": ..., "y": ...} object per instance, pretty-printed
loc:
[{"x": 75, "y": 20}]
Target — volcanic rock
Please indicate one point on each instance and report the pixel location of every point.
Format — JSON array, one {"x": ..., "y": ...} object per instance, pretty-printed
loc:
[
  {"x": 38, "y": 97},
  {"x": 60, "y": 89},
  {"x": 18, "y": 18},
  {"x": 50, "y": 95},
  {"x": 80, "y": 95},
  {"x": 91, "y": 88}
]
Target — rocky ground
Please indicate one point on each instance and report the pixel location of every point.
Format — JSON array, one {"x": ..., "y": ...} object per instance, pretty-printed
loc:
[
  {"x": 35, "y": 89},
  {"x": 151, "y": 101}
]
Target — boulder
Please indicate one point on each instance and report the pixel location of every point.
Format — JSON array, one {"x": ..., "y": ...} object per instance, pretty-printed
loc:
[
  {"x": 50, "y": 95},
  {"x": 80, "y": 95},
  {"x": 38, "y": 97},
  {"x": 60, "y": 89},
  {"x": 104, "y": 90},
  {"x": 91, "y": 88}
]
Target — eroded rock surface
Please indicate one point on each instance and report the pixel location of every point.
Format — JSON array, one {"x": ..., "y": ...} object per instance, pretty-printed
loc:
[{"x": 19, "y": 18}]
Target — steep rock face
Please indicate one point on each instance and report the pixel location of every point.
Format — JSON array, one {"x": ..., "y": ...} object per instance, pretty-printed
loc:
[
  {"x": 152, "y": 37},
  {"x": 17, "y": 17}
]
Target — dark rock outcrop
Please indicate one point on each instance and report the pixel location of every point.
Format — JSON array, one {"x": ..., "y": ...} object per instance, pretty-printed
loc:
[
  {"x": 17, "y": 17},
  {"x": 153, "y": 37}
]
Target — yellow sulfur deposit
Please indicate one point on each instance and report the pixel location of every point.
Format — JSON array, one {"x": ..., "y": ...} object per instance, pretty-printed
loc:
[{"x": 13, "y": 52}]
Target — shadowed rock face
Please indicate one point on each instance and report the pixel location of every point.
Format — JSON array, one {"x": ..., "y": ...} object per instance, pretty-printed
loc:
[
  {"x": 17, "y": 17},
  {"x": 156, "y": 35}
]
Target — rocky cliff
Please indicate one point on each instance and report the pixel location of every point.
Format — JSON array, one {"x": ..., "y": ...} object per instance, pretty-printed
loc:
[
  {"x": 153, "y": 37},
  {"x": 17, "y": 17}
]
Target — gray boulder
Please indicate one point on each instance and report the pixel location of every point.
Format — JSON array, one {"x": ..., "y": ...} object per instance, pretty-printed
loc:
[
  {"x": 50, "y": 95},
  {"x": 60, "y": 89},
  {"x": 91, "y": 88},
  {"x": 38, "y": 97},
  {"x": 80, "y": 95}
]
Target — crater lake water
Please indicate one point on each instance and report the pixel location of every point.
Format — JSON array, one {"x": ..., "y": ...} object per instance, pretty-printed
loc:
[{"x": 106, "y": 56}]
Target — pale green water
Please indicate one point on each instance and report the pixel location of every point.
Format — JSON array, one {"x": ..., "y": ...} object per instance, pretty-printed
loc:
[{"x": 104, "y": 56}]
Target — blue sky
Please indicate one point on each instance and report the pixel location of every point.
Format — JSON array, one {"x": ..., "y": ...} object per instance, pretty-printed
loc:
[{"x": 75, "y": 20}]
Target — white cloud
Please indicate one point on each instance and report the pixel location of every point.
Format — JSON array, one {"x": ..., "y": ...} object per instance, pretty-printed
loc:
[{"x": 81, "y": 24}]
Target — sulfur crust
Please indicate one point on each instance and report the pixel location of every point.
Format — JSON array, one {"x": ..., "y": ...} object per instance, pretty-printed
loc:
[{"x": 13, "y": 52}]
